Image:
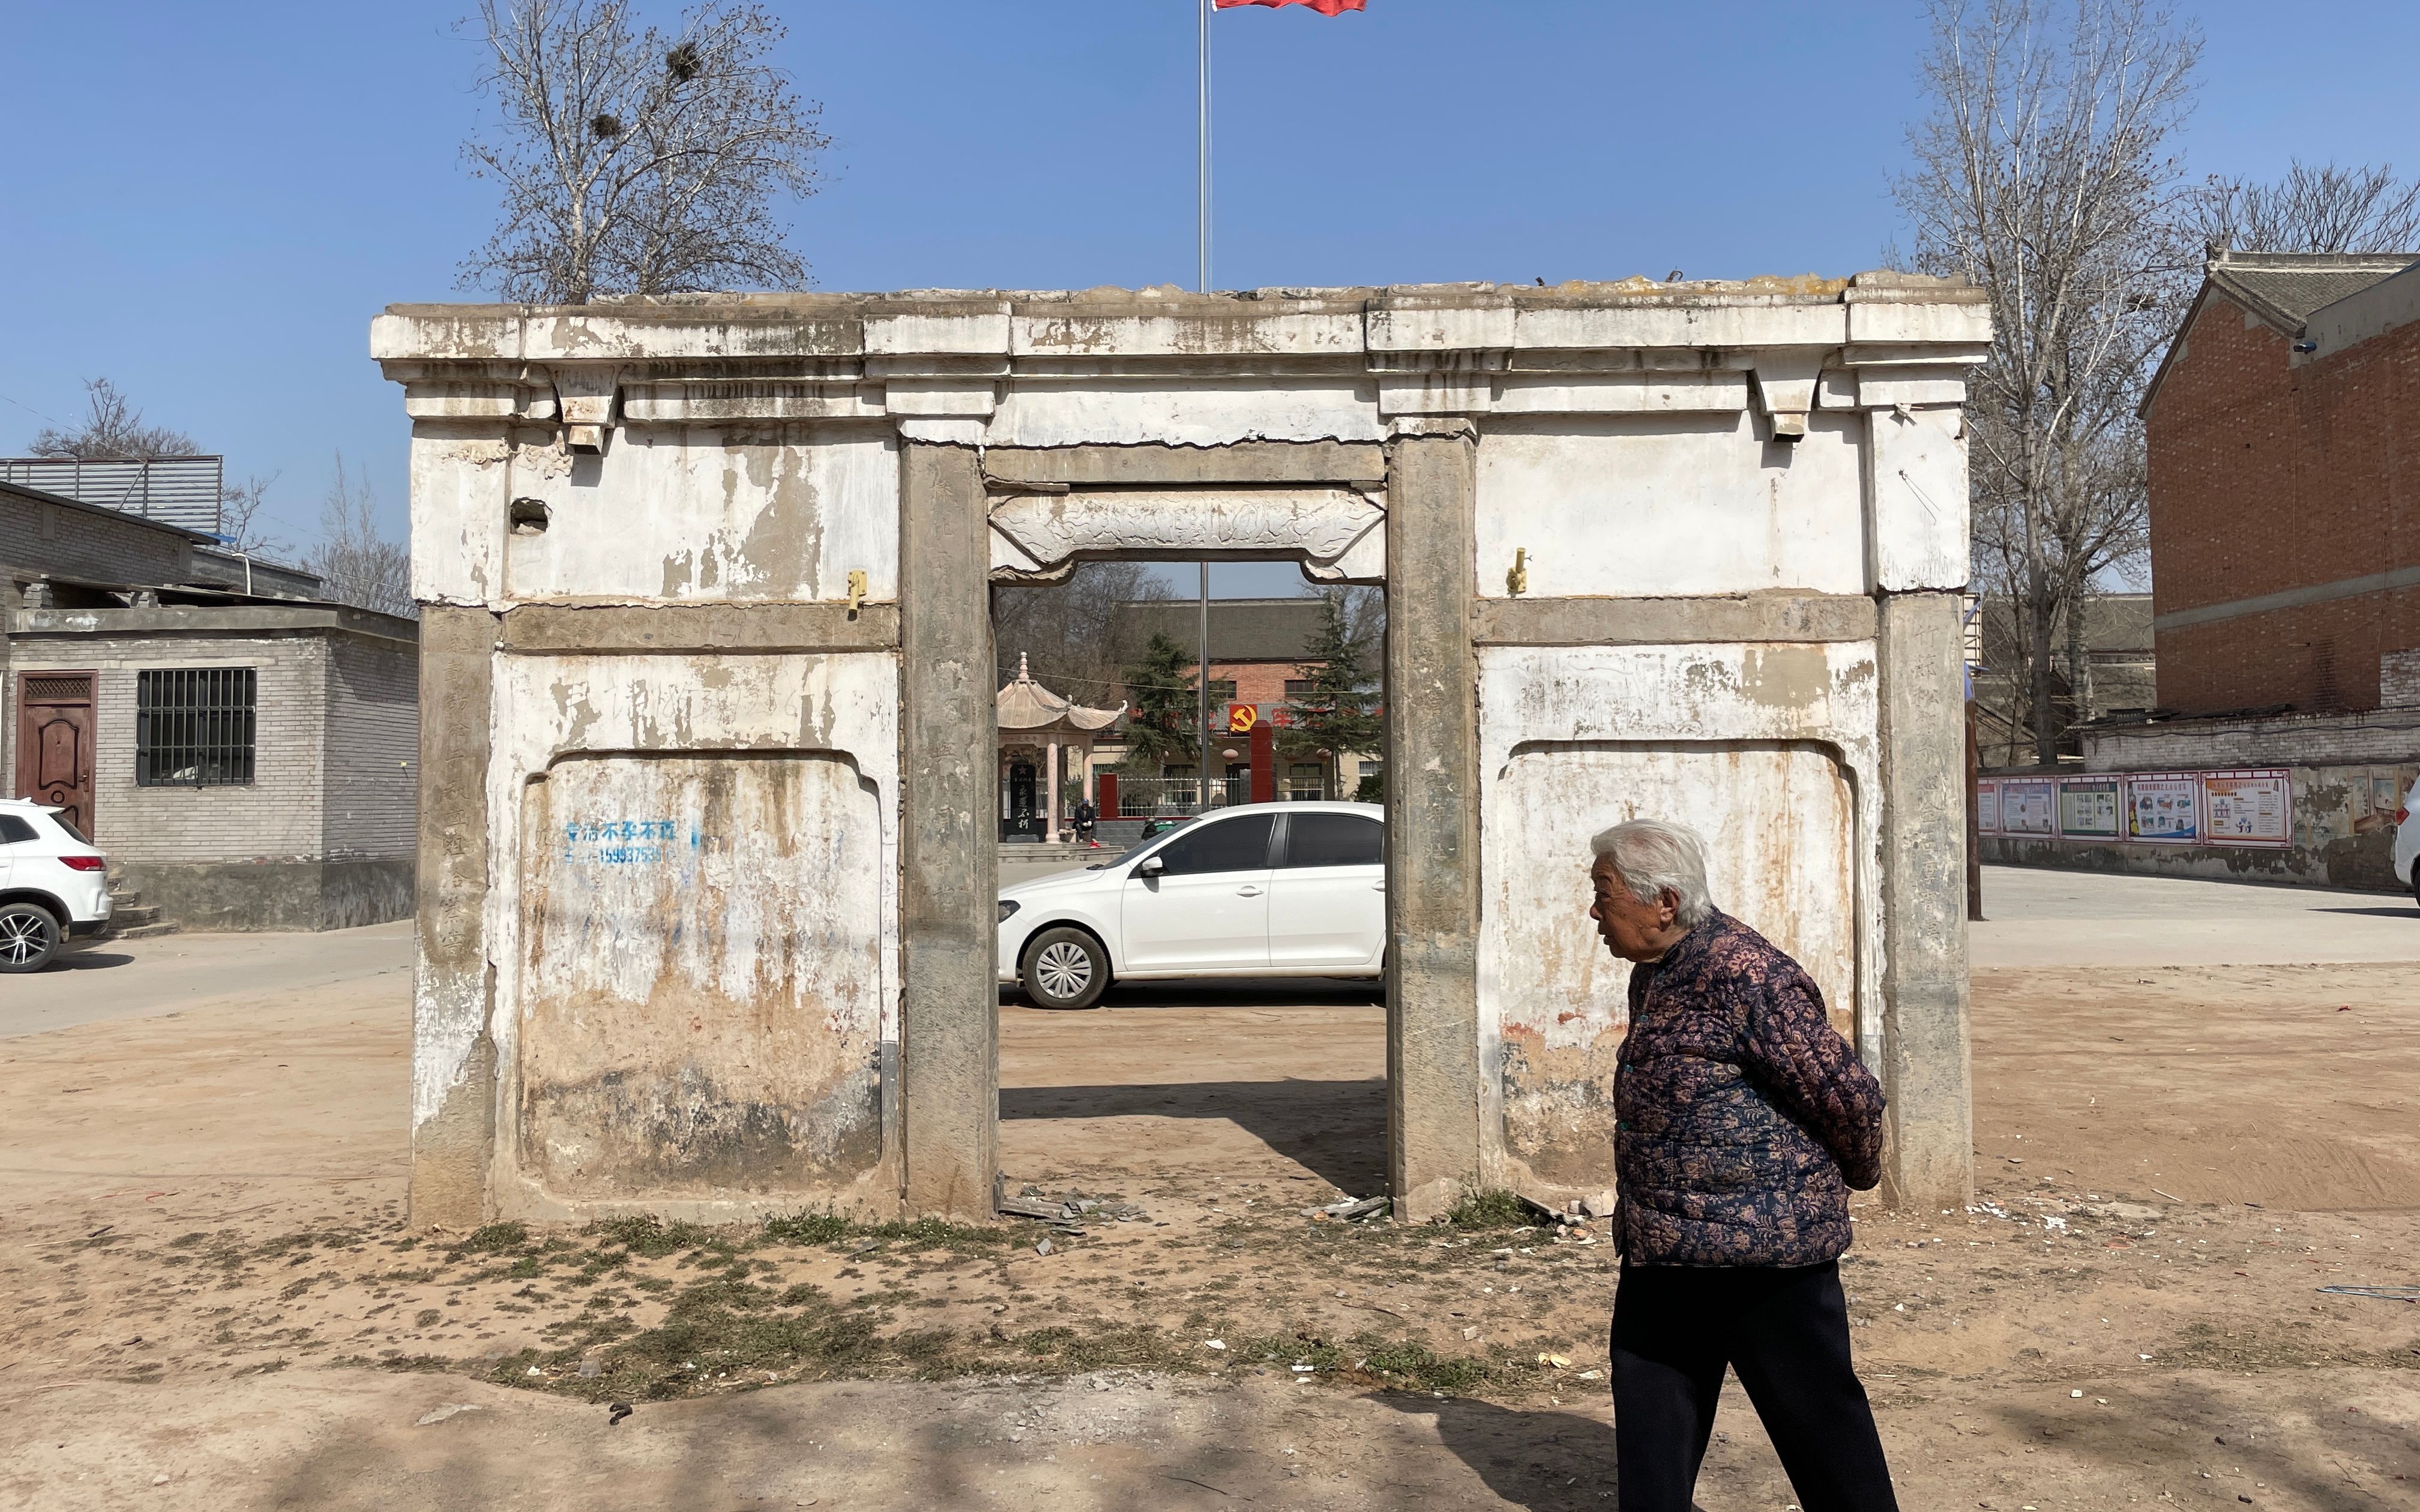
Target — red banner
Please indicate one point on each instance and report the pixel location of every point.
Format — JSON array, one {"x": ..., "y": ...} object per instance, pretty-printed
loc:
[{"x": 1325, "y": 8}]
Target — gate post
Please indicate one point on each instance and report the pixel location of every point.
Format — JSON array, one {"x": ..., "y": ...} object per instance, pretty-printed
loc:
[
  {"x": 1929, "y": 1156},
  {"x": 1432, "y": 1072},
  {"x": 453, "y": 987},
  {"x": 949, "y": 859}
]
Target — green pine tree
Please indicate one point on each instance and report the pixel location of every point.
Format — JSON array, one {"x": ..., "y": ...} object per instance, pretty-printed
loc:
[
  {"x": 1335, "y": 715},
  {"x": 1166, "y": 707}
]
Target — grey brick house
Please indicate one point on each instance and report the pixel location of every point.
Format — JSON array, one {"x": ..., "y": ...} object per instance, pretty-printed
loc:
[{"x": 248, "y": 759}]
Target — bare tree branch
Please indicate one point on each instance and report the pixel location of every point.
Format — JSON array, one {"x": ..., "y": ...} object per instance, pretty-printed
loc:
[
  {"x": 113, "y": 431},
  {"x": 2326, "y": 209},
  {"x": 239, "y": 522},
  {"x": 2044, "y": 174},
  {"x": 634, "y": 162},
  {"x": 359, "y": 565},
  {"x": 1073, "y": 633}
]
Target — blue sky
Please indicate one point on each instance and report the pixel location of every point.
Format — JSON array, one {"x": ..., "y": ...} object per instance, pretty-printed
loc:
[{"x": 208, "y": 203}]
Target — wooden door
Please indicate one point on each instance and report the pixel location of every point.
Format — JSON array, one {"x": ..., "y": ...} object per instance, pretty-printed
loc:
[{"x": 54, "y": 720}]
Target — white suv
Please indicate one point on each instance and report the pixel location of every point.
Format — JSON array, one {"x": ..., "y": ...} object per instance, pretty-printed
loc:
[
  {"x": 53, "y": 886},
  {"x": 2407, "y": 840},
  {"x": 1267, "y": 889}
]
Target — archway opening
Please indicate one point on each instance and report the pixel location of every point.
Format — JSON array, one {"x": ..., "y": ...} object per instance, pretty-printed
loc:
[{"x": 1234, "y": 1048}]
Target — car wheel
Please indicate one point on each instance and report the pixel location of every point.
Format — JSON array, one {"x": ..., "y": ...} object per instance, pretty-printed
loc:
[
  {"x": 2415, "y": 880},
  {"x": 1065, "y": 968},
  {"x": 29, "y": 936}
]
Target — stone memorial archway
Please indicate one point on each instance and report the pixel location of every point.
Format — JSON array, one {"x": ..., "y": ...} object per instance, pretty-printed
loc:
[{"x": 701, "y": 574}]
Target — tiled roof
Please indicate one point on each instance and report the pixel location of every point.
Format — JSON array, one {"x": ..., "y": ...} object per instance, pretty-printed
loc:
[
  {"x": 2285, "y": 287},
  {"x": 1025, "y": 704}
]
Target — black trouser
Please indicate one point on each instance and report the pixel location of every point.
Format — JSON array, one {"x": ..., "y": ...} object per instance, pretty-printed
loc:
[{"x": 1785, "y": 1331}]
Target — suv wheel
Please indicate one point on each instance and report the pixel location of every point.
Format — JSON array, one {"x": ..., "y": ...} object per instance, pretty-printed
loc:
[
  {"x": 29, "y": 936},
  {"x": 1065, "y": 968}
]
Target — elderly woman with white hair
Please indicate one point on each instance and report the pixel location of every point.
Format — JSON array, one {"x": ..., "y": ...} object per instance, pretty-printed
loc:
[{"x": 1742, "y": 1121}]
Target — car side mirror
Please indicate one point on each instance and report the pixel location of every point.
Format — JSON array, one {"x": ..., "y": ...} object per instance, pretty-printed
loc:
[{"x": 1150, "y": 866}]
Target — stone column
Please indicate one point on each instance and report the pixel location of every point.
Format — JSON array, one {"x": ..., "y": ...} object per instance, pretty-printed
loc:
[
  {"x": 454, "y": 1060},
  {"x": 1433, "y": 1072},
  {"x": 1050, "y": 800},
  {"x": 1929, "y": 1152},
  {"x": 949, "y": 851}
]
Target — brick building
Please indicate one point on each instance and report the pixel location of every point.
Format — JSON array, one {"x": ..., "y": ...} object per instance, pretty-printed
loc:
[
  {"x": 1258, "y": 656},
  {"x": 248, "y": 760},
  {"x": 2285, "y": 488},
  {"x": 2286, "y": 591}
]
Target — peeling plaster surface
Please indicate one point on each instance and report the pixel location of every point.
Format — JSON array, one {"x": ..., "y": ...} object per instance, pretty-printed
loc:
[
  {"x": 447, "y": 1016},
  {"x": 1204, "y": 412},
  {"x": 718, "y": 1029},
  {"x": 458, "y": 482},
  {"x": 708, "y": 1027},
  {"x": 1665, "y": 506},
  {"x": 702, "y": 976},
  {"x": 1764, "y": 749},
  {"x": 682, "y": 513}
]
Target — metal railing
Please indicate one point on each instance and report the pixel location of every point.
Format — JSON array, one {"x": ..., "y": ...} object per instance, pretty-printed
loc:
[{"x": 1151, "y": 797}]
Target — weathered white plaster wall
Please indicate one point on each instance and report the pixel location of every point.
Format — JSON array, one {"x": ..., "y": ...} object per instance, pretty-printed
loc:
[
  {"x": 1920, "y": 499},
  {"x": 1671, "y": 504},
  {"x": 1194, "y": 413},
  {"x": 547, "y": 708},
  {"x": 692, "y": 513},
  {"x": 461, "y": 478},
  {"x": 701, "y": 984},
  {"x": 747, "y": 449},
  {"x": 1768, "y": 750}
]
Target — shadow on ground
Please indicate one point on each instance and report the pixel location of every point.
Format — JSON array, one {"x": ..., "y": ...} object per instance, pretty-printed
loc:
[
  {"x": 89, "y": 961},
  {"x": 1545, "y": 1460},
  {"x": 1336, "y": 1129},
  {"x": 1241, "y": 992}
]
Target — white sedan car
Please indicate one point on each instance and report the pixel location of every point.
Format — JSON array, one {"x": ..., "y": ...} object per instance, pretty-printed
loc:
[{"x": 1268, "y": 890}]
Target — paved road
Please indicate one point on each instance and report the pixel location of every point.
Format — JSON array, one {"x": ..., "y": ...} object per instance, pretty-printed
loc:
[
  {"x": 170, "y": 973},
  {"x": 2034, "y": 918},
  {"x": 2037, "y": 917}
]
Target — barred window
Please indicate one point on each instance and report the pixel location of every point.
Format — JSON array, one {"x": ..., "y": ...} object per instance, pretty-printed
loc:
[{"x": 194, "y": 726}]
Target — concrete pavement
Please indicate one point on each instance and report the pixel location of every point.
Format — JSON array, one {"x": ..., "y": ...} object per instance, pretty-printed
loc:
[
  {"x": 2034, "y": 917},
  {"x": 171, "y": 973}
]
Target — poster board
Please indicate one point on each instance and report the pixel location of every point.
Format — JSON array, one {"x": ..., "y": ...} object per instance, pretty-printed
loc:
[
  {"x": 2248, "y": 808},
  {"x": 2164, "y": 808},
  {"x": 2089, "y": 808},
  {"x": 2029, "y": 806},
  {"x": 1987, "y": 808}
]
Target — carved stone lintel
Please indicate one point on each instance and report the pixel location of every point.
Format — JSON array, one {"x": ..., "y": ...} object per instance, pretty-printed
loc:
[{"x": 1337, "y": 532}]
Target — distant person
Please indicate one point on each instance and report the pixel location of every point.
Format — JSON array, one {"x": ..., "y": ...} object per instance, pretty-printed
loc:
[
  {"x": 1742, "y": 1121},
  {"x": 1086, "y": 817}
]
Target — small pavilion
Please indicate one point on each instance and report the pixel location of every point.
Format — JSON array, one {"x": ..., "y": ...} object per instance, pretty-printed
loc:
[{"x": 1035, "y": 726}]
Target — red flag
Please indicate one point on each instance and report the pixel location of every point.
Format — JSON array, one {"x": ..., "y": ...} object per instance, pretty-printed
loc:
[{"x": 1325, "y": 8}]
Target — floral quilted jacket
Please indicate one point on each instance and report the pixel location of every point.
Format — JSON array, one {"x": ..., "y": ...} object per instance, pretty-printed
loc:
[{"x": 1744, "y": 1117}]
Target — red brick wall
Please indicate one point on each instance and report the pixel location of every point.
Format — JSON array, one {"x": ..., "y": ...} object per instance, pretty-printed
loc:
[
  {"x": 2267, "y": 477},
  {"x": 1256, "y": 681}
]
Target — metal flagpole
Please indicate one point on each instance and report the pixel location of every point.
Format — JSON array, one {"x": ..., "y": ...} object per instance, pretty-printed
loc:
[
  {"x": 1201, "y": 211},
  {"x": 1204, "y": 680},
  {"x": 1202, "y": 229}
]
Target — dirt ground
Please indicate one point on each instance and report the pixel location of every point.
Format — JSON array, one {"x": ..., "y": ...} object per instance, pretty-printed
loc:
[{"x": 214, "y": 1303}]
